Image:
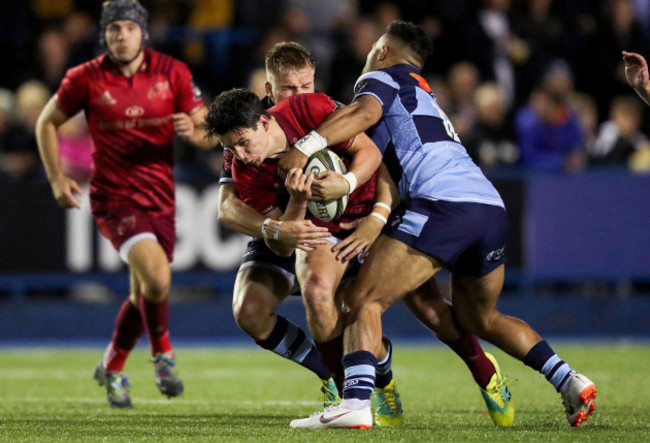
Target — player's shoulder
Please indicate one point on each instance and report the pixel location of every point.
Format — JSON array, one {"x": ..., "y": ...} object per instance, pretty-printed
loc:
[
  {"x": 161, "y": 63},
  {"x": 388, "y": 76},
  {"x": 92, "y": 69},
  {"x": 312, "y": 102}
]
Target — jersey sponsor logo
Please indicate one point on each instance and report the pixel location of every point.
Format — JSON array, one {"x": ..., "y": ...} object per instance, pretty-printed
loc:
[
  {"x": 397, "y": 220},
  {"x": 134, "y": 111},
  {"x": 496, "y": 255},
  {"x": 105, "y": 99},
  {"x": 160, "y": 90}
]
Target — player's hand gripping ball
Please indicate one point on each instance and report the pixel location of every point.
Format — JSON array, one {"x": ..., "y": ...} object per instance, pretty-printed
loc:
[{"x": 326, "y": 160}]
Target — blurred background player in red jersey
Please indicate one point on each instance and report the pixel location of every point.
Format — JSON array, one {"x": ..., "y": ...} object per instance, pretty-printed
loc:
[{"x": 135, "y": 100}]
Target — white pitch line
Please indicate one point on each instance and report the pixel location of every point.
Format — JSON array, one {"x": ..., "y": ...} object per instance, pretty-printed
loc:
[{"x": 158, "y": 401}]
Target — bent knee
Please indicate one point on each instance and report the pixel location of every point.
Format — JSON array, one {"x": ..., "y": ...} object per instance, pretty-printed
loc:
[
  {"x": 156, "y": 288},
  {"x": 481, "y": 323},
  {"x": 251, "y": 312}
]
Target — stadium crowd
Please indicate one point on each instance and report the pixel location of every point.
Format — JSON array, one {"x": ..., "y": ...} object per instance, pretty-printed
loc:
[{"x": 535, "y": 85}]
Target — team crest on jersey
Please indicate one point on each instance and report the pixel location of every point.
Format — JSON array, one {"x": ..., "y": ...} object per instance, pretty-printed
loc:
[
  {"x": 159, "y": 90},
  {"x": 105, "y": 99},
  {"x": 134, "y": 111},
  {"x": 495, "y": 255},
  {"x": 360, "y": 86}
]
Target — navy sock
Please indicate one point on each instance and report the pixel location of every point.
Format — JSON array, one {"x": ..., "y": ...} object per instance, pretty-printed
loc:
[
  {"x": 544, "y": 360},
  {"x": 384, "y": 372},
  {"x": 359, "y": 367},
  {"x": 289, "y": 341}
]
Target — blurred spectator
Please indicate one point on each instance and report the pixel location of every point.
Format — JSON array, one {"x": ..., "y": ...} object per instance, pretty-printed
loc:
[
  {"x": 82, "y": 36},
  {"x": 462, "y": 79},
  {"x": 642, "y": 13},
  {"x": 543, "y": 32},
  {"x": 350, "y": 58},
  {"x": 318, "y": 25},
  {"x": 53, "y": 51},
  {"x": 16, "y": 33},
  {"x": 585, "y": 106},
  {"x": 493, "y": 46},
  {"x": 440, "y": 89},
  {"x": 601, "y": 71},
  {"x": 490, "y": 141},
  {"x": 76, "y": 147},
  {"x": 619, "y": 137},
  {"x": 207, "y": 15},
  {"x": 19, "y": 158},
  {"x": 549, "y": 134},
  {"x": 49, "y": 10},
  {"x": 7, "y": 101}
]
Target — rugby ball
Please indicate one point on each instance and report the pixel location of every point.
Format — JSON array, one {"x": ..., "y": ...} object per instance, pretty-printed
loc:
[{"x": 326, "y": 160}]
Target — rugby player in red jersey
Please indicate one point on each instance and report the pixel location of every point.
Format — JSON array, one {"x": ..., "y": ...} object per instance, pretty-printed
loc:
[
  {"x": 135, "y": 99},
  {"x": 257, "y": 185}
]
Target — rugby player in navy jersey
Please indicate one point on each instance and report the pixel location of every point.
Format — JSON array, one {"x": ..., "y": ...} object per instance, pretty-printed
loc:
[
  {"x": 636, "y": 74},
  {"x": 265, "y": 279},
  {"x": 135, "y": 100},
  {"x": 453, "y": 217}
]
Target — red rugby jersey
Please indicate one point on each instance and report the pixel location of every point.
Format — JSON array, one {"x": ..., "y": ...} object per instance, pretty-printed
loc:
[
  {"x": 260, "y": 187},
  {"x": 130, "y": 121}
]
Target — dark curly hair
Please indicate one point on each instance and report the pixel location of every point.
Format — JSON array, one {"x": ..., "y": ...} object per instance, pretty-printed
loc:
[
  {"x": 232, "y": 110},
  {"x": 413, "y": 36}
]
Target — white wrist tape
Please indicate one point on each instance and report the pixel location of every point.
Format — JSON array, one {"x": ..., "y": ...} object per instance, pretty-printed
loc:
[
  {"x": 276, "y": 230},
  {"x": 383, "y": 205},
  {"x": 265, "y": 226},
  {"x": 311, "y": 143},
  {"x": 380, "y": 217},
  {"x": 352, "y": 181}
]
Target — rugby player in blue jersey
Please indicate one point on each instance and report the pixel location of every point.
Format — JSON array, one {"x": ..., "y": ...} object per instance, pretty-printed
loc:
[{"x": 452, "y": 217}]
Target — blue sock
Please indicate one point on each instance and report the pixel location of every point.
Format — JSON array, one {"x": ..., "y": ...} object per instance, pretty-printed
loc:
[
  {"x": 384, "y": 371},
  {"x": 543, "y": 359},
  {"x": 289, "y": 341},
  {"x": 359, "y": 370}
]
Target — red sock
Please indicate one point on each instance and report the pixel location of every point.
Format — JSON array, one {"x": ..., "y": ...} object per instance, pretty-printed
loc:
[
  {"x": 332, "y": 353},
  {"x": 128, "y": 328},
  {"x": 468, "y": 348},
  {"x": 156, "y": 321}
]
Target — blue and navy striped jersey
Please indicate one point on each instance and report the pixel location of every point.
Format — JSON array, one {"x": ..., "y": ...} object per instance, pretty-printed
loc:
[{"x": 420, "y": 147}]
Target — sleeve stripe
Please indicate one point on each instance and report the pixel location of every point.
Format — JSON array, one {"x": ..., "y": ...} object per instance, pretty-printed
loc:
[
  {"x": 310, "y": 118},
  {"x": 293, "y": 102},
  {"x": 379, "y": 76}
]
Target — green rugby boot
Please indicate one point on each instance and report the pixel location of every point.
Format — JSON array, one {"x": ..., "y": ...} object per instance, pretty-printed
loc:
[
  {"x": 498, "y": 398},
  {"x": 387, "y": 406},
  {"x": 330, "y": 393}
]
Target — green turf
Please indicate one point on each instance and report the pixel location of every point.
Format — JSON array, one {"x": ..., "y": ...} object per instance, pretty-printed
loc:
[{"x": 252, "y": 395}]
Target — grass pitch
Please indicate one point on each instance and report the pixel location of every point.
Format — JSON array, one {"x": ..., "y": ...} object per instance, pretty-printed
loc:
[{"x": 251, "y": 395}]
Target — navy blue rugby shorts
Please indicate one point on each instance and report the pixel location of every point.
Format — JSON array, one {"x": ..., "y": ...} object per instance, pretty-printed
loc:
[
  {"x": 260, "y": 256},
  {"x": 468, "y": 238}
]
